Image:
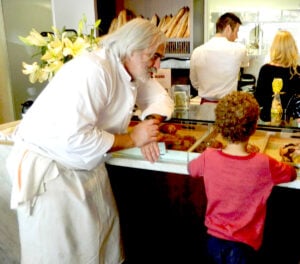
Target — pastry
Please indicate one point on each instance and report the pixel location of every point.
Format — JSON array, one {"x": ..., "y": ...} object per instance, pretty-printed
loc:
[{"x": 290, "y": 152}]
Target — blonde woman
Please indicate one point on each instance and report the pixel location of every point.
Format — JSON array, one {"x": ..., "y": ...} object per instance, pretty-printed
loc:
[{"x": 283, "y": 64}]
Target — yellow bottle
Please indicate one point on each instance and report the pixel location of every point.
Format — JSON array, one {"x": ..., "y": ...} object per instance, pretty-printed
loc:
[{"x": 276, "y": 107}]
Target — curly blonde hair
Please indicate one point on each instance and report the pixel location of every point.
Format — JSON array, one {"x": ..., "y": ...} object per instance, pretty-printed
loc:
[
  {"x": 236, "y": 116},
  {"x": 284, "y": 51}
]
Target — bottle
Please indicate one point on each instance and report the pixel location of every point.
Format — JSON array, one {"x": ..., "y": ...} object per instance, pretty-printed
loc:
[{"x": 276, "y": 107}]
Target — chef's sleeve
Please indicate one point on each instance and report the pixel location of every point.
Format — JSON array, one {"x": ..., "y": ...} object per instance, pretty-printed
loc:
[{"x": 152, "y": 98}]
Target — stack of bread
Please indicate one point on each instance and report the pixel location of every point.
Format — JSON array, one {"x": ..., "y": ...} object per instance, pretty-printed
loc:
[
  {"x": 123, "y": 17},
  {"x": 177, "y": 26}
]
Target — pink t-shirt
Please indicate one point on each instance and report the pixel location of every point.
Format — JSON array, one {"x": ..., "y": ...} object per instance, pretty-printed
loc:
[{"x": 237, "y": 189}]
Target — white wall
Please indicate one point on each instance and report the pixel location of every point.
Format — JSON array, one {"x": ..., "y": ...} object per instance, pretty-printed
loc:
[
  {"x": 19, "y": 17},
  {"x": 67, "y": 13},
  {"x": 6, "y": 101},
  {"x": 221, "y": 5}
]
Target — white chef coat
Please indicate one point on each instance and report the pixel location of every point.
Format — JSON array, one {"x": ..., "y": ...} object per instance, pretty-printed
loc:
[
  {"x": 74, "y": 118},
  {"x": 60, "y": 148},
  {"x": 215, "y": 67}
]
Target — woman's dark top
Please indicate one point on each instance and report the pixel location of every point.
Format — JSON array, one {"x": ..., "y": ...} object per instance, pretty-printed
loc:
[{"x": 264, "y": 92}]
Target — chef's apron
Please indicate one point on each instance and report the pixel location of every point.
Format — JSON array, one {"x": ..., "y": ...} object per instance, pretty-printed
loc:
[{"x": 71, "y": 217}]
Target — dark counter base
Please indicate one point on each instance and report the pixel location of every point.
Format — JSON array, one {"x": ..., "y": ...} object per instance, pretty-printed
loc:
[
  {"x": 162, "y": 219},
  {"x": 281, "y": 243}
]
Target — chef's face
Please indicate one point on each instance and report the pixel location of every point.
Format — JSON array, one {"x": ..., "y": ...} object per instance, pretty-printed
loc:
[{"x": 142, "y": 64}]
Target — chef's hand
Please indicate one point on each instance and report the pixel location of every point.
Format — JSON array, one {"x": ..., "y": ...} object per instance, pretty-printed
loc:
[
  {"x": 151, "y": 151},
  {"x": 142, "y": 134},
  {"x": 145, "y": 132}
]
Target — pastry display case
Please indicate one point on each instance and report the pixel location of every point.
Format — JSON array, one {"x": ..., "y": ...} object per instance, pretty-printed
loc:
[
  {"x": 182, "y": 140},
  {"x": 165, "y": 191}
]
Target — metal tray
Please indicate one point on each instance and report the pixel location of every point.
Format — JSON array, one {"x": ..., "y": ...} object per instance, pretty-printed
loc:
[
  {"x": 179, "y": 140},
  {"x": 268, "y": 142}
]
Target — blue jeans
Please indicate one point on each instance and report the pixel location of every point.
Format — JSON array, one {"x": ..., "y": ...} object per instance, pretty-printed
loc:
[{"x": 222, "y": 251}]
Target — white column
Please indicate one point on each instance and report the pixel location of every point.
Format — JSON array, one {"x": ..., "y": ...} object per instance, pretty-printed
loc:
[{"x": 6, "y": 102}]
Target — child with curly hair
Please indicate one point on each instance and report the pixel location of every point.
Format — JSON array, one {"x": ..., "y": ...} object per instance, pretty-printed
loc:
[{"x": 238, "y": 182}]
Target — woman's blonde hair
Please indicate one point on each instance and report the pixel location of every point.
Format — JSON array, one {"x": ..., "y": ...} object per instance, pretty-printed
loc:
[{"x": 284, "y": 51}]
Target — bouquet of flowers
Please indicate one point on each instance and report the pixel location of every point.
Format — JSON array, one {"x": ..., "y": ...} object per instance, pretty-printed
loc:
[{"x": 56, "y": 48}]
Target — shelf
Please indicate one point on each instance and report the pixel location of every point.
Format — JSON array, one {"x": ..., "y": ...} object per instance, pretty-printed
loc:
[
  {"x": 175, "y": 63},
  {"x": 148, "y": 8}
]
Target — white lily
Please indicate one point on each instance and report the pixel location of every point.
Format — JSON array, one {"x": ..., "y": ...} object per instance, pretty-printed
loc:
[
  {"x": 34, "y": 39},
  {"x": 57, "y": 48},
  {"x": 74, "y": 48}
]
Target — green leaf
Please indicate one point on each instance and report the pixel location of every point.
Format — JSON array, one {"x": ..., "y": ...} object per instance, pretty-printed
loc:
[
  {"x": 97, "y": 23},
  {"x": 80, "y": 27}
]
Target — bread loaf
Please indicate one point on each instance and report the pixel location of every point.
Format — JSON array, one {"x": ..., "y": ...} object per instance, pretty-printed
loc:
[
  {"x": 187, "y": 30},
  {"x": 113, "y": 25},
  {"x": 181, "y": 26},
  {"x": 165, "y": 23},
  {"x": 155, "y": 20},
  {"x": 290, "y": 152},
  {"x": 174, "y": 21},
  {"x": 177, "y": 26},
  {"x": 121, "y": 18}
]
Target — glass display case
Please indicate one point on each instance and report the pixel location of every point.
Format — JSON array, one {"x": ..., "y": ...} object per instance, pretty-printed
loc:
[{"x": 185, "y": 137}]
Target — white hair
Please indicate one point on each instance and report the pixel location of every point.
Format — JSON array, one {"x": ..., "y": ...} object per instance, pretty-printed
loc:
[{"x": 137, "y": 34}]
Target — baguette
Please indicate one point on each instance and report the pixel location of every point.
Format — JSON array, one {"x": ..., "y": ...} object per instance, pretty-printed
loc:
[
  {"x": 155, "y": 20},
  {"x": 184, "y": 27},
  {"x": 187, "y": 31},
  {"x": 174, "y": 21},
  {"x": 161, "y": 22},
  {"x": 122, "y": 17},
  {"x": 166, "y": 22},
  {"x": 181, "y": 25},
  {"x": 113, "y": 25}
]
